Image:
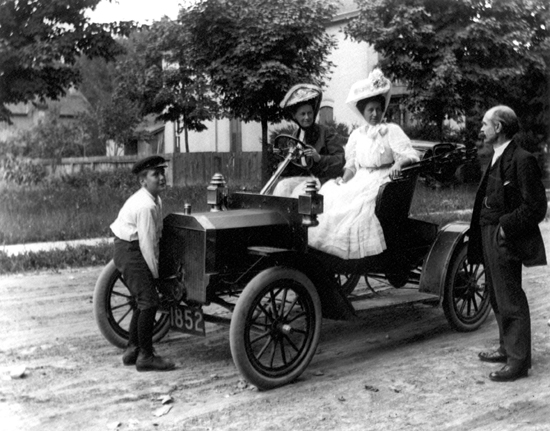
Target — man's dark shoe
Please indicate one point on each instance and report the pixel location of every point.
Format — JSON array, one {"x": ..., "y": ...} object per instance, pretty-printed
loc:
[
  {"x": 508, "y": 374},
  {"x": 152, "y": 362},
  {"x": 130, "y": 355},
  {"x": 493, "y": 356}
]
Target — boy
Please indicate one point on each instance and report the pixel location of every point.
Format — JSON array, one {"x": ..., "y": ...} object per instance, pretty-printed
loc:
[{"x": 137, "y": 230}]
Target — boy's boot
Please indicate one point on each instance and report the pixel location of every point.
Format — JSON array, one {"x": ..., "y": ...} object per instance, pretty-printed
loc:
[
  {"x": 129, "y": 357},
  {"x": 147, "y": 360}
]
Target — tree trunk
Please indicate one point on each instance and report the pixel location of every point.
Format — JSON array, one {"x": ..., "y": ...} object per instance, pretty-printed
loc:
[
  {"x": 265, "y": 158},
  {"x": 186, "y": 131}
]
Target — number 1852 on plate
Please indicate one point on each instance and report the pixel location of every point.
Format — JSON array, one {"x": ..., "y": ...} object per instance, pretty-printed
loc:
[{"x": 187, "y": 319}]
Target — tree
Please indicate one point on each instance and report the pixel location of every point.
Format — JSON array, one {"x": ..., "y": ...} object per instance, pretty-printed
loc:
[
  {"x": 253, "y": 51},
  {"x": 119, "y": 93},
  {"x": 184, "y": 96},
  {"x": 40, "y": 42},
  {"x": 459, "y": 57}
]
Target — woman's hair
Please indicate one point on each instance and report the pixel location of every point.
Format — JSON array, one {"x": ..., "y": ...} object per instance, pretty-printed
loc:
[
  {"x": 363, "y": 102},
  {"x": 294, "y": 108}
]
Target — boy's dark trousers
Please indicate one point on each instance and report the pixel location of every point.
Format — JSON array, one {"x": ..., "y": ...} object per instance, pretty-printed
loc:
[{"x": 139, "y": 280}]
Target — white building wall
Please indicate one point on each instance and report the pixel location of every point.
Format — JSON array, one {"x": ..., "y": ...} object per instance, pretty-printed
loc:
[
  {"x": 252, "y": 136},
  {"x": 353, "y": 61},
  {"x": 215, "y": 138}
]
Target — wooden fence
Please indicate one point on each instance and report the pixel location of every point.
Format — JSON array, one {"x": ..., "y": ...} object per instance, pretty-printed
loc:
[
  {"x": 183, "y": 168},
  {"x": 198, "y": 168}
]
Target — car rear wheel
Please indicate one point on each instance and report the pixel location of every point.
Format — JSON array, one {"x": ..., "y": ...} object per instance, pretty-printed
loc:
[
  {"x": 347, "y": 282},
  {"x": 275, "y": 327},
  {"x": 114, "y": 305},
  {"x": 466, "y": 297}
]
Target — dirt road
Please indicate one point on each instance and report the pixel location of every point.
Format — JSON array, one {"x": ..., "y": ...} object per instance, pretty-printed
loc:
[{"x": 399, "y": 369}]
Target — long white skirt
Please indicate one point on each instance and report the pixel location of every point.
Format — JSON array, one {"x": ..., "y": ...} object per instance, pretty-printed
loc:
[
  {"x": 348, "y": 227},
  {"x": 292, "y": 187}
]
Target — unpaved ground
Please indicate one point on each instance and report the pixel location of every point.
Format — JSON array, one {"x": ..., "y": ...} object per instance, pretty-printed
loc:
[{"x": 399, "y": 369}]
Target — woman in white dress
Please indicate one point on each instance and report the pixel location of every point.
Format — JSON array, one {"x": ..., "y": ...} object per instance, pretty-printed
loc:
[{"x": 348, "y": 227}]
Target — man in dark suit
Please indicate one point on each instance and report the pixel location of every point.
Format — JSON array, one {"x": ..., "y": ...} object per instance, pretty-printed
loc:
[{"x": 504, "y": 234}]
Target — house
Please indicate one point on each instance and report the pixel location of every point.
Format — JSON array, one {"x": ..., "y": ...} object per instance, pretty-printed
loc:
[
  {"x": 353, "y": 61},
  {"x": 150, "y": 140},
  {"x": 27, "y": 115}
]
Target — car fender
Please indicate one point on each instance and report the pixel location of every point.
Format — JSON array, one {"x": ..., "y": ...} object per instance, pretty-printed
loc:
[
  {"x": 438, "y": 260},
  {"x": 335, "y": 305}
]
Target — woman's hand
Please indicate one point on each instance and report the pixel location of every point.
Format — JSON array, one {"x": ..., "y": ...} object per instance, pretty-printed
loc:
[
  {"x": 312, "y": 152},
  {"x": 395, "y": 170},
  {"x": 348, "y": 175}
]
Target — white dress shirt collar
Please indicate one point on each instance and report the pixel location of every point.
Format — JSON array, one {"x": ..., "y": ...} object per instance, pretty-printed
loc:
[{"x": 498, "y": 151}]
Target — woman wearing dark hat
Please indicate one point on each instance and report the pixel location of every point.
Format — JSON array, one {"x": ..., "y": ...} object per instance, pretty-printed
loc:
[
  {"x": 325, "y": 149},
  {"x": 348, "y": 227},
  {"x": 137, "y": 230}
]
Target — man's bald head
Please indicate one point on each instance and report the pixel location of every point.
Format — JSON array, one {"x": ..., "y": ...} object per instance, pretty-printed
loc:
[{"x": 506, "y": 117}]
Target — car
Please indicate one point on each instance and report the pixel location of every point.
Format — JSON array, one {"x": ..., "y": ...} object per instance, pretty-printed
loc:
[{"x": 249, "y": 255}]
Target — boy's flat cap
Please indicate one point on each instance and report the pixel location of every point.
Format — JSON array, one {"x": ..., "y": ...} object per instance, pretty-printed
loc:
[{"x": 150, "y": 162}]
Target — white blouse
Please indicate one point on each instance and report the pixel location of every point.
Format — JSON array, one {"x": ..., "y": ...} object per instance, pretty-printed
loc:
[{"x": 374, "y": 146}]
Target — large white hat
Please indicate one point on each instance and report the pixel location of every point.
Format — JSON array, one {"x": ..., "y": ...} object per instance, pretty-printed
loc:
[
  {"x": 375, "y": 84},
  {"x": 302, "y": 93}
]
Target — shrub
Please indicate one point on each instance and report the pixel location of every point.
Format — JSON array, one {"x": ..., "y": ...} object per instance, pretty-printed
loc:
[
  {"x": 119, "y": 179},
  {"x": 20, "y": 171},
  {"x": 430, "y": 132}
]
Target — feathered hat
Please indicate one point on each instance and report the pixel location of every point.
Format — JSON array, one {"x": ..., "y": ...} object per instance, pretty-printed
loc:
[
  {"x": 302, "y": 93},
  {"x": 375, "y": 84}
]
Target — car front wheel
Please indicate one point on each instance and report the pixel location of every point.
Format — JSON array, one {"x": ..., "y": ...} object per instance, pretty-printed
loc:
[{"x": 275, "y": 327}]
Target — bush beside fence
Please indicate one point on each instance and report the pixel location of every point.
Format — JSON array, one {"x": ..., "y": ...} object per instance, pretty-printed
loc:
[{"x": 183, "y": 168}]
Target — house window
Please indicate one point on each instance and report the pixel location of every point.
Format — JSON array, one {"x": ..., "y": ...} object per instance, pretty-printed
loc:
[
  {"x": 326, "y": 115},
  {"x": 397, "y": 113}
]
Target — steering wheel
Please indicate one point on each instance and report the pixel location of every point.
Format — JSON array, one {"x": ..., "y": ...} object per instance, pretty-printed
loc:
[{"x": 286, "y": 145}]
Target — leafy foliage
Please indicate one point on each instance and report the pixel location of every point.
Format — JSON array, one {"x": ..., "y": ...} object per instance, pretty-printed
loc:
[
  {"x": 183, "y": 94},
  {"x": 40, "y": 42},
  {"x": 21, "y": 171},
  {"x": 51, "y": 138},
  {"x": 459, "y": 57},
  {"x": 253, "y": 51},
  {"x": 120, "y": 93}
]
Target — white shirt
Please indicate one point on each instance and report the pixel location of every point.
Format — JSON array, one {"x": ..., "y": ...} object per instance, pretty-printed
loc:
[
  {"x": 498, "y": 152},
  {"x": 140, "y": 218}
]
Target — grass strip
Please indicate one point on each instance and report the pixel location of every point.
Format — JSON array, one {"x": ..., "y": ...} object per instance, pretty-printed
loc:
[{"x": 69, "y": 257}]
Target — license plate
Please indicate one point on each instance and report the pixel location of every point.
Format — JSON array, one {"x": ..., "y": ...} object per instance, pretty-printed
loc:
[{"x": 187, "y": 319}]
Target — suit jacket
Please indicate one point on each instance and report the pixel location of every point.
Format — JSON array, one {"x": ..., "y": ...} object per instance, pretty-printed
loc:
[
  {"x": 329, "y": 145},
  {"x": 523, "y": 198}
]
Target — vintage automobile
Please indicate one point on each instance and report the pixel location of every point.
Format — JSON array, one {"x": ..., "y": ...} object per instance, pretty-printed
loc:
[{"x": 249, "y": 255}]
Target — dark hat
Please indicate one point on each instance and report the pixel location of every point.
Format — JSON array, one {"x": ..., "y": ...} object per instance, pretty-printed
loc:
[{"x": 150, "y": 162}]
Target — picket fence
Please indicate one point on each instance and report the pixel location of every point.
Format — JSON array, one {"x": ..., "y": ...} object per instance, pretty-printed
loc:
[{"x": 183, "y": 168}]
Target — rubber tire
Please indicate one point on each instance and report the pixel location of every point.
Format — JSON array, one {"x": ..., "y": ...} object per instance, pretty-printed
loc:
[
  {"x": 109, "y": 279},
  {"x": 263, "y": 285},
  {"x": 453, "y": 299}
]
